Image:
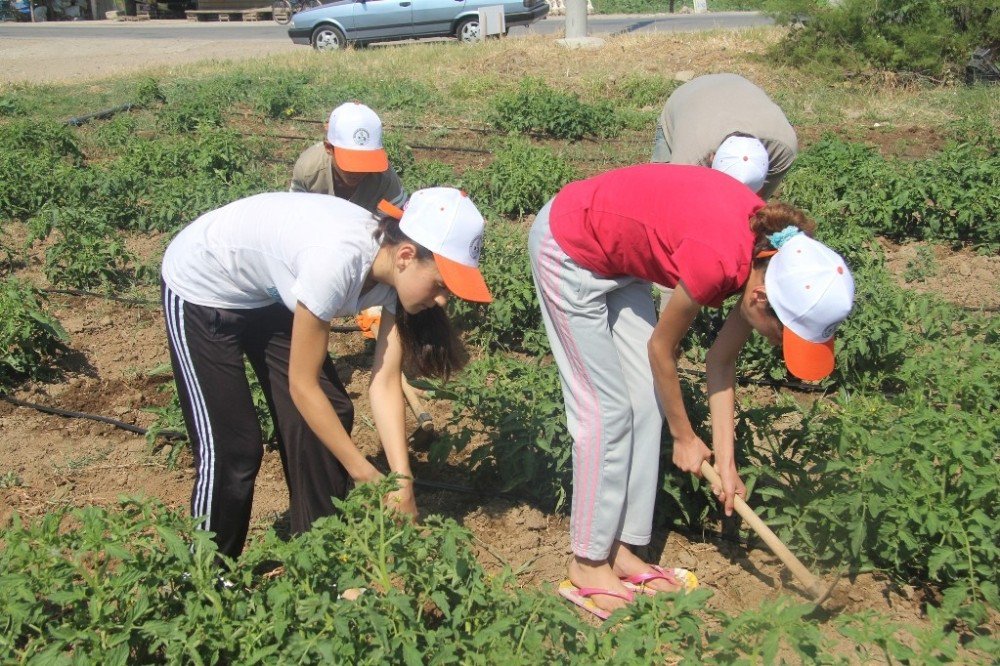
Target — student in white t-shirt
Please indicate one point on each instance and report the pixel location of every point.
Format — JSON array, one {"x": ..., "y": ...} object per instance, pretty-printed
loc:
[{"x": 260, "y": 279}]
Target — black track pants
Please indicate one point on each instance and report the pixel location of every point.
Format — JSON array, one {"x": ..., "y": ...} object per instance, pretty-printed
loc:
[{"x": 207, "y": 350}]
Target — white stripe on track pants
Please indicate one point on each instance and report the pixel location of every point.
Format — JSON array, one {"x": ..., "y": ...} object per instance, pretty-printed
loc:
[{"x": 599, "y": 329}]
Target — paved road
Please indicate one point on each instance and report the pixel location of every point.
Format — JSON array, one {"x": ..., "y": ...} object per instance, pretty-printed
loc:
[{"x": 266, "y": 31}]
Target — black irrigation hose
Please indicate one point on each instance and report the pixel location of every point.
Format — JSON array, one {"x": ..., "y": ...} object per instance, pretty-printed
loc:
[
  {"x": 170, "y": 435},
  {"x": 795, "y": 386},
  {"x": 76, "y": 121},
  {"x": 95, "y": 294}
]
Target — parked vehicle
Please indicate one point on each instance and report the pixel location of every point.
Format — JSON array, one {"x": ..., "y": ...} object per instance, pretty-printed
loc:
[{"x": 359, "y": 22}]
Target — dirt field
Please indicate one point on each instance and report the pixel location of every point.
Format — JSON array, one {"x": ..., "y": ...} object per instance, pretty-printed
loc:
[{"x": 61, "y": 462}]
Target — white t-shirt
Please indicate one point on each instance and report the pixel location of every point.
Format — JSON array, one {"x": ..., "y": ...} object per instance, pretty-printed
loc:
[{"x": 279, "y": 247}]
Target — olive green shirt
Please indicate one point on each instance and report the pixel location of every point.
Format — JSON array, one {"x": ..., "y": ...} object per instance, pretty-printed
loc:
[
  {"x": 313, "y": 172},
  {"x": 700, "y": 114}
]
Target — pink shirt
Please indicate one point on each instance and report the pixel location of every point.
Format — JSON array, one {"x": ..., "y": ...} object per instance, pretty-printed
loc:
[{"x": 666, "y": 223}]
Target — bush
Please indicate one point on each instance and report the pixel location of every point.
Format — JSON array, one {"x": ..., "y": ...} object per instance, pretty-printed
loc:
[
  {"x": 88, "y": 251},
  {"x": 520, "y": 180},
  {"x": 537, "y": 108},
  {"x": 931, "y": 38},
  {"x": 948, "y": 196},
  {"x": 39, "y": 163}
]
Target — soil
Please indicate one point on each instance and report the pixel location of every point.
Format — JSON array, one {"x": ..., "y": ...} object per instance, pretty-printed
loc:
[
  {"x": 51, "y": 462},
  {"x": 116, "y": 349}
]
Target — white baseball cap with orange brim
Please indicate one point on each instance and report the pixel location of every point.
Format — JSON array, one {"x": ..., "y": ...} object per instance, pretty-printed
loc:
[
  {"x": 445, "y": 221},
  {"x": 812, "y": 292},
  {"x": 355, "y": 132}
]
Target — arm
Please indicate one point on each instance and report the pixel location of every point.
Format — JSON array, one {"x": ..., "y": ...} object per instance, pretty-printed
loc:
[
  {"x": 720, "y": 365},
  {"x": 310, "y": 337},
  {"x": 664, "y": 350},
  {"x": 385, "y": 393}
]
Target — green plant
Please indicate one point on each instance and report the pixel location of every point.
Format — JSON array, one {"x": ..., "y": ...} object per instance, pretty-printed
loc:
[
  {"x": 429, "y": 173},
  {"x": 87, "y": 252},
  {"x": 30, "y": 337},
  {"x": 11, "y": 479},
  {"x": 399, "y": 152},
  {"x": 521, "y": 178},
  {"x": 932, "y": 38},
  {"x": 921, "y": 266},
  {"x": 536, "y": 108},
  {"x": 513, "y": 321},
  {"x": 513, "y": 409}
]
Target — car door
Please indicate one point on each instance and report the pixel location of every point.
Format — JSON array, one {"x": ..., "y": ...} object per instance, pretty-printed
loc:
[
  {"x": 382, "y": 19},
  {"x": 435, "y": 17}
]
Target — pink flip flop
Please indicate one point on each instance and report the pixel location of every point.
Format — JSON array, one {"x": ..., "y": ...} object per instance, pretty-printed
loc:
[
  {"x": 676, "y": 576},
  {"x": 581, "y": 596}
]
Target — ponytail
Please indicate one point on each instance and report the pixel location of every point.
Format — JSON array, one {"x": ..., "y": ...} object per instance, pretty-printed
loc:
[
  {"x": 430, "y": 344},
  {"x": 771, "y": 223}
]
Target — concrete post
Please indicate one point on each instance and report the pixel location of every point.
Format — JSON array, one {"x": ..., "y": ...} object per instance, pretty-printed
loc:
[
  {"x": 576, "y": 19},
  {"x": 576, "y": 27}
]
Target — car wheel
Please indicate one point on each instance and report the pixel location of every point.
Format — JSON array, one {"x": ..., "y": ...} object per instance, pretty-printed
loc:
[
  {"x": 328, "y": 38},
  {"x": 468, "y": 30}
]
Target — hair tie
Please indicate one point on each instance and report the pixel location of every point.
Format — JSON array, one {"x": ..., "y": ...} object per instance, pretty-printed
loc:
[{"x": 779, "y": 238}]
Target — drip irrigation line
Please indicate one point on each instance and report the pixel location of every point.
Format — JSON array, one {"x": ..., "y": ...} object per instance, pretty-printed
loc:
[
  {"x": 95, "y": 294},
  {"x": 421, "y": 146},
  {"x": 76, "y": 121},
  {"x": 797, "y": 386},
  {"x": 170, "y": 435}
]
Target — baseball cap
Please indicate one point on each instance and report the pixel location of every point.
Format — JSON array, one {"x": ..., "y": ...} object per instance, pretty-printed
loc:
[
  {"x": 745, "y": 159},
  {"x": 355, "y": 132},
  {"x": 446, "y": 222},
  {"x": 812, "y": 291}
]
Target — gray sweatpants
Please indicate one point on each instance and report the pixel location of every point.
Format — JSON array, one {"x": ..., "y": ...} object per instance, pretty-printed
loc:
[{"x": 598, "y": 328}]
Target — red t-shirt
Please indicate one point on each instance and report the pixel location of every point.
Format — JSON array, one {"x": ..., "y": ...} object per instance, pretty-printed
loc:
[{"x": 666, "y": 223}]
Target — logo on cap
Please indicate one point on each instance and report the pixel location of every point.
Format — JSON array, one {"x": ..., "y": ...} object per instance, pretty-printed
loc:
[
  {"x": 476, "y": 248},
  {"x": 361, "y": 136}
]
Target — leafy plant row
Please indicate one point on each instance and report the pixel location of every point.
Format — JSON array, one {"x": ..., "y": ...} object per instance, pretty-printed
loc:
[
  {"x": 138, "y": 585},
  {"x": 931, "y": 38}
]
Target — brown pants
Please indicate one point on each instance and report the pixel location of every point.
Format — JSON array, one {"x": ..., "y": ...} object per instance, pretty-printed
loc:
[{"x": 207, "y": 351}]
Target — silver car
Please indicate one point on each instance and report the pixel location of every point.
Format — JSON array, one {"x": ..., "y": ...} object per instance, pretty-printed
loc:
[{"x": 337, "y": 24}]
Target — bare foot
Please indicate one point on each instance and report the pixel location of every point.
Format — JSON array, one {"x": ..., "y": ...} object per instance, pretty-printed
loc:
[
  {"x": 625, "y": 563},
  {"x": 598, "y": 573}
]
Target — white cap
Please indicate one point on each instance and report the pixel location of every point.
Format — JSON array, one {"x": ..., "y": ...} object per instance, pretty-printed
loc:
[
  {"x": 745, "y": 159},
  {"x": 355, "y": 132},
  {"x": 812, "y": 291},
  {"x": 446, "y": 222}
]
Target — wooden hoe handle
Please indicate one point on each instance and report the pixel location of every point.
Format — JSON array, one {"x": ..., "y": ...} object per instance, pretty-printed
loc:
[
  {"x": 810, "y": 582},
  {"x": 424, "y": 420}
]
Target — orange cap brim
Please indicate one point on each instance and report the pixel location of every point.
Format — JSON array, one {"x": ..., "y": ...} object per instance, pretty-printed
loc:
[
  {"x": 464, "y": 281},
  {"x": 361, "y": 161},
  {"x": 809, "y": 361}
]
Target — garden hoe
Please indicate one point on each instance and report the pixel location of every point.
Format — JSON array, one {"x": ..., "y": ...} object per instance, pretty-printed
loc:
[{"x": 817, "y": 590}]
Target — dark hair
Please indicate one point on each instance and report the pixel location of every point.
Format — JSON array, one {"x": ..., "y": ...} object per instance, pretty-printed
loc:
[
  {"x": 772, "y": 218},
  {"x": 430, "y": 345}
]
